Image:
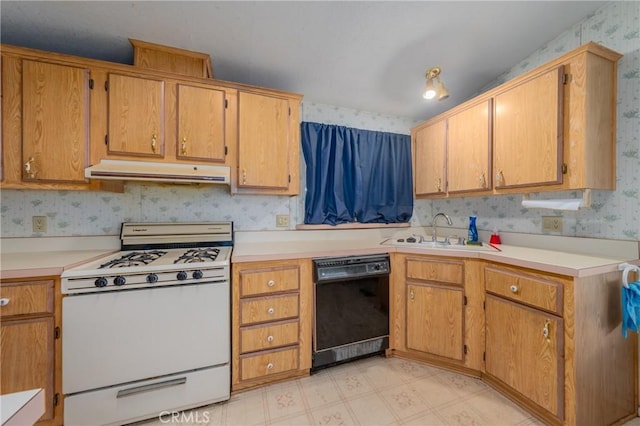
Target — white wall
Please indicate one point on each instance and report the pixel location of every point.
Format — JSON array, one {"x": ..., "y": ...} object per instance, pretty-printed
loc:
[{"x": 614, "y": 214}]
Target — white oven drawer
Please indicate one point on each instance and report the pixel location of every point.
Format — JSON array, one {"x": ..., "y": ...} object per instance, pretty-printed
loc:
[
  {"x": 148, "y": 399},
  {"x": 124, "y": 336}
]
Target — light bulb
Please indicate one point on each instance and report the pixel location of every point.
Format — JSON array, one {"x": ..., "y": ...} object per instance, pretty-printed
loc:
[{"x": 429, "y": 90}]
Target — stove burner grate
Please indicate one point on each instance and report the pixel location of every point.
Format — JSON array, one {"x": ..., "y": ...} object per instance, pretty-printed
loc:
[
  {"x": 195, "y": 255},
  {"x": 136, "y": 258}
]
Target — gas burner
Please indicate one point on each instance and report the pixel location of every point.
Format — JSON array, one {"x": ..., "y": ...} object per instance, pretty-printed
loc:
[
  {"x": 135, "y": 258},
  {"x": 195, "y": 255}
]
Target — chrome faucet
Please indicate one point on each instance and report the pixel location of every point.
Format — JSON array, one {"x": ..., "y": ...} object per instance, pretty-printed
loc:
[{"x": 434, "y": 225}]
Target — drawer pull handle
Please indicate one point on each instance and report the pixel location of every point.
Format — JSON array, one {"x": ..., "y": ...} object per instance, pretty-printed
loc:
[
  {"x": 270, "y": 366},
  {"x": 270, "y": 339},
  {"x": 154, "y": 386},
  {"x": 412, "y": 295},
  {"x": 4, "y": 301},
  {"x": 183, "y": 146},
  {"x": 153, "y": 144},
  {"x": 545, "y": 329},
  {"x": 271, "y": 283},
  {"x": 271, "y": 311},
  {"x": 514, "y": 289}
]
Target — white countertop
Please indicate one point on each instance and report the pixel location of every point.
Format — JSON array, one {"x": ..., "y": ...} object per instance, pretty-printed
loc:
[
  {"x": 22, "y": 408},
  {"x": 33, "y": 257},
  {"x": 266, "y": 246}
]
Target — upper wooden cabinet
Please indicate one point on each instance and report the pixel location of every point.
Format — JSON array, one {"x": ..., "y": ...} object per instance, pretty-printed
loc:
[
  {"x": 429, "y": 148},
  {"x": 528, "y": 132},
  {"x": 62, "y": 114},
  {"x": 550, "y": 129},
  {"x": 45, "y": 124},
  {"x": 268, "y": 144},
  {"x": 201, "y": 123},
  {"x": 469, "y": 148},
  {"x": 135, "y": 116}
]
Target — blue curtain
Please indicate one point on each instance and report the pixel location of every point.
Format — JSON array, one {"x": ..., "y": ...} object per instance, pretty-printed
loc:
[{"x": 356, "y": 175}]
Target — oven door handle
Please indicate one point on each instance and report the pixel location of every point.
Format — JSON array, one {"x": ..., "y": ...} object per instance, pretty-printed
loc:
[{"x": 151, "y": 387}]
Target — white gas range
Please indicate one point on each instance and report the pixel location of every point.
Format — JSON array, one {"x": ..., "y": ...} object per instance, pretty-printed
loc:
[{"x": 146, "y": 331}]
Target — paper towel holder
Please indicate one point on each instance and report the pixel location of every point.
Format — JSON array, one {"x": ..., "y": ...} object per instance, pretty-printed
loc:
[{"x": 584, "y": 204}]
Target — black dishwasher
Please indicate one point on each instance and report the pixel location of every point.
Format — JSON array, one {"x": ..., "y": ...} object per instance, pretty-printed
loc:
[{"x": 351, "y": 315}]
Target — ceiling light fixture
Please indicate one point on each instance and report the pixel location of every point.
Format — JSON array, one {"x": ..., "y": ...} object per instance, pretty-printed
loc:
[{"x": 434, "y": 87}]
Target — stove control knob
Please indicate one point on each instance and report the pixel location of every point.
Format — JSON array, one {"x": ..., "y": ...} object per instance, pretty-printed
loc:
[
  {"x": 101, "y": 282},
  {"x": 182, "y": 275},
  {"x": 152, "y": 278},
  {"x": 119, "y": 280},
  {"x": 197, "y": 274}
]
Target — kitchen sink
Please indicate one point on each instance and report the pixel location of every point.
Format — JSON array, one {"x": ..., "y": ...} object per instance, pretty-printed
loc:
[{"x": 440, "y": 244}]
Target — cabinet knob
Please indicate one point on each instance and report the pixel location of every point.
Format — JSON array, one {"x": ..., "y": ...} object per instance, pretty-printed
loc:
[
  {"x": 28, "y": 168},
  {"x": 545, "y": 329},
  {"x": 439, "y": 185},
  {"x": 514, "y": 289},
  {"x": 4, "y": 301},
  {"x": 270, "y": 366},
  {"x": 270, "y": 339},
  {"x": 500, "y": 178},
  {"x": 271, "y": 283},
  {"x": 271, "y": 311},
  {"x": 483, "y": 181},
  {"x": 412, "y": 295},
  {"x": 154, "y": 142},
  {"x": 183, "y": 146}
]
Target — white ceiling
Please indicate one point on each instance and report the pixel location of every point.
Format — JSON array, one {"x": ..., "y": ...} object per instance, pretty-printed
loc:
[{"x": 369, "y": 56}]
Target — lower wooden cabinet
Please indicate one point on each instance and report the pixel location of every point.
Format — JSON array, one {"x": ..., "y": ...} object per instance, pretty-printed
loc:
[
  {"x": 434, "y": 320},
  {"x": 524, "y": 349},
  {"x": 436, "y": 311},
  {"x": 29, "y": 342},
  {"x": 271, "y": 322}
]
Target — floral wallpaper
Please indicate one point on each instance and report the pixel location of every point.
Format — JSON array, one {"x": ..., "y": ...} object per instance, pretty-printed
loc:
[{"x": 613, "y": 213}]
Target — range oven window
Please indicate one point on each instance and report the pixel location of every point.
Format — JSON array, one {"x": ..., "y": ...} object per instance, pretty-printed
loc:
[{"x": 351, "y": 315}]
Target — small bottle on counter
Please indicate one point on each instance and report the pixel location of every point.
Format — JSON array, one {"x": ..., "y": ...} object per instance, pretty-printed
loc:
[
  {"x": 495, "y": 237},
  {"x": 473, "y": 231}
]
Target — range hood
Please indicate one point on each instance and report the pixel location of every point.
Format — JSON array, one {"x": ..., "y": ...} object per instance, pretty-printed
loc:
[{"x": 158, "y": 172}]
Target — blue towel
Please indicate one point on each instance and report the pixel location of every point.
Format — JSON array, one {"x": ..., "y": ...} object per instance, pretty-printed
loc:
[{"x": 630, "y": 308}]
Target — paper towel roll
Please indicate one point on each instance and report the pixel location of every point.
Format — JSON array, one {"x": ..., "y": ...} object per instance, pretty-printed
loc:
[{"x": 562, "y": 204}]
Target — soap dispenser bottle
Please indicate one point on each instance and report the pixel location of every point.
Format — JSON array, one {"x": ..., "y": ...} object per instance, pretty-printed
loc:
[{"x": 473, "y": 231}]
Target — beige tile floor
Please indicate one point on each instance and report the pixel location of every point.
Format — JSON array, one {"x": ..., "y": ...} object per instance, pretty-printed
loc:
[{"x": 372, "y": 391}]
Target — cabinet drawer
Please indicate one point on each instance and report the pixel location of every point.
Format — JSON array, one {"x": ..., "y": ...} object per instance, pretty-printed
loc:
[
  {"x": 271, "y": 308},
  {"x": 32, "y": 297},
  {"x": 268, "y": 336},
  {"x": 270, "y": 280},
  {"x": 264, "y": 364},
  {"x": 529, "y": 289},
  {"x": 449, "y": 272}
]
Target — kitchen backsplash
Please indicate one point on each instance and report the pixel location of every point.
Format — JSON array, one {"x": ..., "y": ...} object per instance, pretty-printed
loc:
[{"x": 613, "y": 214}]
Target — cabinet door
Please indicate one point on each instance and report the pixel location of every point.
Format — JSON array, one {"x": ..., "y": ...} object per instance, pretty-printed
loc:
[
  {"x": 136, "y": 116},
  {"x": 524, "y": 349},
  {"x": 263, "y": 141},
  {"x": 434, "y": 320},
  {"x": 201, "y": 115},
  {"x": 55, "y": 122},
  {"x": 429, "y": 161},
  {"x": 27, "y": 358},
  {"x": 469, "y": 149},
  {"x": 528, "y": 132}
]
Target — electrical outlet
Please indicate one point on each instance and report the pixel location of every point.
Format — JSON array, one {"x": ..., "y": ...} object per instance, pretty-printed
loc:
[
  {"x": 39, "y": 223},
  {"x": 552, "y": 224},
  {"x": 282, "y": 220}
]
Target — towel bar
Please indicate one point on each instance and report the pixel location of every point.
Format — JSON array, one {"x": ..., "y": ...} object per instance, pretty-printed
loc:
[{"x": 626, "y": 268}]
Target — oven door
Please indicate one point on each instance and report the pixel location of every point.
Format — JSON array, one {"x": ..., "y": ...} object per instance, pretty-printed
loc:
[{"x": 124, "y": 336}]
